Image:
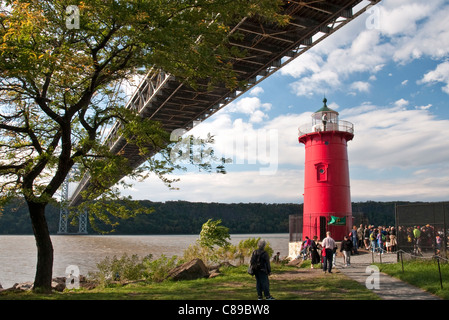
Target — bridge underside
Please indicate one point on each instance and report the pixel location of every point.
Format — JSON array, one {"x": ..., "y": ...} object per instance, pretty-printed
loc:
[{"x": 162, "y": 97}]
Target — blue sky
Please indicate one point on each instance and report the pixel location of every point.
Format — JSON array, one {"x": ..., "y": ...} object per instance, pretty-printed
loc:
[{"x": 388, "y": 76}]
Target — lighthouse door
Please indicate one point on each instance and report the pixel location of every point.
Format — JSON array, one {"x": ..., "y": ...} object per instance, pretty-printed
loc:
[{"x": 322, "y": 227}]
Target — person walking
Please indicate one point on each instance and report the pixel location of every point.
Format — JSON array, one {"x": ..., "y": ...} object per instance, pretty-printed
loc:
[
  {"x": 262, "y": 269},
  {"x": 328, "y": 245},
  {"x": 346, "y": 248}
]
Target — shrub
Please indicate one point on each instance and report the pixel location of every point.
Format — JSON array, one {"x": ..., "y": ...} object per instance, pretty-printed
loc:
[
  {"x": 157, "y": 270},
  {"x": 133, "y": 269}
]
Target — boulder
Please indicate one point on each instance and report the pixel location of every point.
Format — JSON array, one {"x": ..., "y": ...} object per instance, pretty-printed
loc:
[
  {"x": 23, "y": 286},
  {"x": 58, "y": 284},
  {"x": 194, "y": 269}
]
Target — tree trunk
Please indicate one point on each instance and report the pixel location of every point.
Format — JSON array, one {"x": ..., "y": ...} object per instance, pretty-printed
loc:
[{"x": 44, "y": 268}]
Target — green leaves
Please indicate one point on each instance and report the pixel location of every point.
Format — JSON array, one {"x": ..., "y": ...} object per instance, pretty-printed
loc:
[{"x": 212, "y": 234}]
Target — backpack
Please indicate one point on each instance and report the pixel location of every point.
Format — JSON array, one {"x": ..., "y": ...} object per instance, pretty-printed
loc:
[{"x": 255, "y": 262}]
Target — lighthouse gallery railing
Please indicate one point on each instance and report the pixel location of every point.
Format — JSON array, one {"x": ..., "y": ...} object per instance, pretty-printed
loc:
[{"x": 344, "y": 126}]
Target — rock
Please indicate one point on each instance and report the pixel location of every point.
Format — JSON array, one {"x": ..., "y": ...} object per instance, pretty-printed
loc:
[
  {"x": 58, "y": 284},
  {"x": 295, "y": 262},
  {"x": 23, "y": 286},
  {"x": 214, "y": 273},
  {"x": 191, "y": 270}
]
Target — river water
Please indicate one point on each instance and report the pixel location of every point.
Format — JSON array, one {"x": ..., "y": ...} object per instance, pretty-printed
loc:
[{"x": 18, "y": 252}]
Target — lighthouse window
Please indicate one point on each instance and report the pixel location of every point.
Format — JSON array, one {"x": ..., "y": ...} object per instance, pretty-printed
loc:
[{"x": 321, "y": 174}]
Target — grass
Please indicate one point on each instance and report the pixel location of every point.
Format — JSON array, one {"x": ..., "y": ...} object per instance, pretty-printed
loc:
[
  {"x": 422, "y": 274},
  {"x": 286, "y": 283}
]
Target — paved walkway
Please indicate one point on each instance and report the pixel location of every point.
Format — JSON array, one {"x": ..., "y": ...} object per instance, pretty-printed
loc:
[{"x": 387, "y": 287}]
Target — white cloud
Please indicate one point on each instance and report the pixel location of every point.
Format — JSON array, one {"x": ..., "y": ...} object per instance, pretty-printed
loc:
[
  {"x": 440, "y": 74},
  {"x": 360, "y": 86},
  {"x": 395, "y": 137},
  {"x": 320, "y": 71},
  {"x": 324, "y": 81},
  {"x": 424, "y": 107},
  {"x": 250, "y": 106},
  {"x": 307, "y": 62},
  {"x": 256, "y": 91},
  {"x": 401, "y": 103},
  {"x": 408, "y": 30},
  {"x": 425, "y": 32},
  {"x": 402, "y": 17},
  {"x": 412, "y": 188},
  {"x": 242, "y": 186}
]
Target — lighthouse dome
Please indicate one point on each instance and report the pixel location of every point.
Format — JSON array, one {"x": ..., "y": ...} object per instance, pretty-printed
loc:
[
  {"x": 325, "y": 118},
  {"x": 325, "y": 108}
]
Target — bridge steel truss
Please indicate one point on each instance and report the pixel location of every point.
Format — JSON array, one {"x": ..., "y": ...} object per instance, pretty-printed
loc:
[{"x": 162, "y": 97}]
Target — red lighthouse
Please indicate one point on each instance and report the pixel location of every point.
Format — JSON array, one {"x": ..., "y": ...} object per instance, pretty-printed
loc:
[{"x": 327, "y": 198}]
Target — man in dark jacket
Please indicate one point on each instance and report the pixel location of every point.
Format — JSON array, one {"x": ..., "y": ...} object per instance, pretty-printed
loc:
[
  {"x": 261, "y": 261},
  {"x": 346, "y": 248}
]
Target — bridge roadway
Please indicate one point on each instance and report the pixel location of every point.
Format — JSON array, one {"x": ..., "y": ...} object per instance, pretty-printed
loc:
[{"x": 162, "y": 97}]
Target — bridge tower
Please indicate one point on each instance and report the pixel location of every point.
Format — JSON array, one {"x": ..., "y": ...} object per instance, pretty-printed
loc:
[
  {"x": 64, "y": 211},
  {"x": 327, "y": 198}
]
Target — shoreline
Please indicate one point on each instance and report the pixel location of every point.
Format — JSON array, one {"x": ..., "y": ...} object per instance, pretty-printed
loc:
[{"x": 19, "y": 257}]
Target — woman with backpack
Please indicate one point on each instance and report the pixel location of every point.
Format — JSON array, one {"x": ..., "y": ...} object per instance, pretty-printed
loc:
[{"x": 262, "y": 269}]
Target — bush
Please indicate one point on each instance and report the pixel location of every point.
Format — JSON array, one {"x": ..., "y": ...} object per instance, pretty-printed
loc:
[
  {"x": 246, "y": 248},
  {"x": 133, "y": 268},
  {"x": 158, "y": 269},
  {"x": 125, "y": 268}
]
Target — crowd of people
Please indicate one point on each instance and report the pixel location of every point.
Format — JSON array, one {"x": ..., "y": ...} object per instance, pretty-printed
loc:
[
  {"x": 422, "y": 238},
  {"x": 378, "y": 240},
  {"x": 381, "y": 240}
]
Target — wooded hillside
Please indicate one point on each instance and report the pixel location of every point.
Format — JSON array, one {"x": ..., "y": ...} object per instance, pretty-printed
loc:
[{"x": 181, "y": 217}]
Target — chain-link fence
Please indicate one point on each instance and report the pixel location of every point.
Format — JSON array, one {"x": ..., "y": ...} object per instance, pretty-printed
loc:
[{"x": 423, "y": 228}]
